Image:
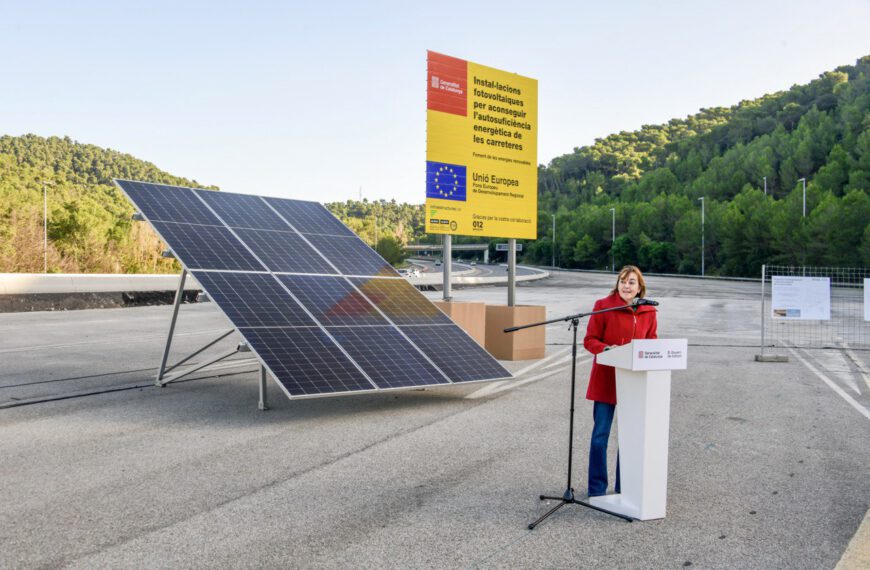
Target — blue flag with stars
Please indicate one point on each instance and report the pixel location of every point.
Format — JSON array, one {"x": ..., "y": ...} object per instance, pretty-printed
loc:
[{"x": 445, "y": 181}]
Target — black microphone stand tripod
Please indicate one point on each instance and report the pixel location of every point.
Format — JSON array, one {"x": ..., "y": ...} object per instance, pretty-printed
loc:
[{"x": 567, "y": 497}]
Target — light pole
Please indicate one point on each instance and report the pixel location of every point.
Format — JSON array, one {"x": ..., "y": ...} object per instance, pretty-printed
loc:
[
  {"x": 554, "y": 239},
  {"x": 377, "y": 223},
  {"x": 804, "y": 180},
  {"x": 765, "y": 186},
  {"x": 44, "y": 226},
  {"x": 702, "y": 235},
  {"x": 612, "y": 238}
]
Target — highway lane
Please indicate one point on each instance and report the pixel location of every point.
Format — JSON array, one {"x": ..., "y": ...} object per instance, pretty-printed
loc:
[{"x": 478, "y": 270}]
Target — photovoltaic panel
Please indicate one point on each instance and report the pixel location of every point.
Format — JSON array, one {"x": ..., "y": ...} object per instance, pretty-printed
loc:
[
  {"x": 454, "y": 352},
  {"x": 332, "y": 300},
  {"x": 352, "y": 256},
  {"x": 323, "y": 311},
  {"x": 305, "y": 361},
  {"x": 309, "y": 217},
  {"x": 285, "y": 252},
  {"x": 168, "y": 203},
  {"x": 253, "y": 299},
  {"x": 243, "y": 211},
  {"x": 401, "y": 301},
  {"x": 207, "y": 247},
  {"x": 385, "y": 355}
]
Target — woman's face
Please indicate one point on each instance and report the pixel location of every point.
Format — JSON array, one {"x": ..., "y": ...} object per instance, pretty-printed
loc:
[{"x": 629, "y": 287}]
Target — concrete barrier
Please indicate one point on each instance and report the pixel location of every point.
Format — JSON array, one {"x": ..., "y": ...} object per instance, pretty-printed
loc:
[
  {"x": 52, "y": 283},
  {"x": 46, "y": 283},
  {"x": 459, "y": 278}
]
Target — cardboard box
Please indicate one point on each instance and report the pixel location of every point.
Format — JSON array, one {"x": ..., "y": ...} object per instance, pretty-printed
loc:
[
  {"x": 471, "y": 317},
  {"x": 526, "y": 344}
]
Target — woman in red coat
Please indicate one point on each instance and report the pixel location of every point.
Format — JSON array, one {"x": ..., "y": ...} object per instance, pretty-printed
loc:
[{"x": 605, "y": 331}]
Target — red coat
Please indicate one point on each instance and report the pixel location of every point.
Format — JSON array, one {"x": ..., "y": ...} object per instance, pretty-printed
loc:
[{"x": 614, "y": 328}]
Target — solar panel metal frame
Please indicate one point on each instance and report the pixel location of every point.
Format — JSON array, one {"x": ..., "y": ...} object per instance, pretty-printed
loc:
[{"x": 275, "y": 274}]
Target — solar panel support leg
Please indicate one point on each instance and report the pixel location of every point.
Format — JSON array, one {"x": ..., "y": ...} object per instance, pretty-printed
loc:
[
  {"x": 179, "y": 294},
  {"x": 264, "y": 404},
  {"x": 214, "y": 360},
  {"x": 194, "y": 353}
]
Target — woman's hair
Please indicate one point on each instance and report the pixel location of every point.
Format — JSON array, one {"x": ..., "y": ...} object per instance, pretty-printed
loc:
[{"x": 623, "y": 273}]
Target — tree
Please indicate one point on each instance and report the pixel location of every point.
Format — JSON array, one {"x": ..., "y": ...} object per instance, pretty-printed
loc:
[
  {"x": 585, "y": 252},
  {"x": 391, "y": 249}
]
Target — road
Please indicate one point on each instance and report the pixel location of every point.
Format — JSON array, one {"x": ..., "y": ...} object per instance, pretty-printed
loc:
[
  {"x": 768, "y": 462},
  {"x": 478, "y": 270}
]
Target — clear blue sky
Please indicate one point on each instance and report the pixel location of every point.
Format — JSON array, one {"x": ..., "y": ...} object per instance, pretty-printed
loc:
[{"x": 314, "y": 99}]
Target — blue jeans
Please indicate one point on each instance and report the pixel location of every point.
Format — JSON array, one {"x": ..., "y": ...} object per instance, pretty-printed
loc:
[{"x": 602, "y": 415}]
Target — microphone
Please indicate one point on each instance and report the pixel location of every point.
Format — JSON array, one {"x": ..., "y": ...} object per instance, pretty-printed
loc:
[{"x": 637, "y": 301}]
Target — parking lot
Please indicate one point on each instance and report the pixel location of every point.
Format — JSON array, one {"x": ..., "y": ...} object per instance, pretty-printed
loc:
[{"x": 768, "y": 462}]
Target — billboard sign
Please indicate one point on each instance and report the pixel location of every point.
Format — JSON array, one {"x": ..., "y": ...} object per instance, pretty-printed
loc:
[{"x": 481, "y": 150}]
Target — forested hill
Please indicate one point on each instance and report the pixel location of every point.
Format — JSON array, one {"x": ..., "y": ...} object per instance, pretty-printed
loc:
[
  {"x": 653, "y": 179},
  {"x": 89, "y": 224}
]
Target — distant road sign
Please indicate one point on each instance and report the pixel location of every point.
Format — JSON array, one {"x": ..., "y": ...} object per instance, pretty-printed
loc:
[{"x": 504, "y": 247}]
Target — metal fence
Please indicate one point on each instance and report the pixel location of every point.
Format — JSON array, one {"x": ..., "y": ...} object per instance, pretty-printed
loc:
[{"x": 783, "y": 326}]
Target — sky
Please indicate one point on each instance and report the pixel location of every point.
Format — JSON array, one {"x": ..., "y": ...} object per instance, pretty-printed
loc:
[{"x": 326, "y": 100}]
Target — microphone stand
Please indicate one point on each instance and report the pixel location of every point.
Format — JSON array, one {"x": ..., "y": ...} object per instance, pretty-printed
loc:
[{"x": 567, "y": 497}]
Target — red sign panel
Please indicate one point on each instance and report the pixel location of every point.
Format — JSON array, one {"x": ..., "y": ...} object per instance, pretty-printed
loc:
[{"x": 448, "y": 83}]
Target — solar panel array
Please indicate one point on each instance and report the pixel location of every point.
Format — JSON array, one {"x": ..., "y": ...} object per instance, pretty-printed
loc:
[{"x": 322, "y": 310}]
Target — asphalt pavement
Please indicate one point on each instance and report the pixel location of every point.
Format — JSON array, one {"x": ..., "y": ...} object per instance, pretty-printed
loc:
[{"x": 768, "y": 463}]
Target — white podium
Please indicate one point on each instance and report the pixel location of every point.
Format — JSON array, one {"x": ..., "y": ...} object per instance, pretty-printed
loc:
[{"x": 643, "y": 397}]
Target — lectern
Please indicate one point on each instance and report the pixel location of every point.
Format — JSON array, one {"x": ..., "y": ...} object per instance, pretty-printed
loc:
[{"x": 643, "y": 397}]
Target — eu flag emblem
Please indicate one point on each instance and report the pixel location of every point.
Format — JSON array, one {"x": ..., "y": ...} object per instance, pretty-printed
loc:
[{"x": 445, "y": 181}]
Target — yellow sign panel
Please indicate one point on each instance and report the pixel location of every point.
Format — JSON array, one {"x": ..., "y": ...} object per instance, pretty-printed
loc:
[{"x": 481, "y": 151}]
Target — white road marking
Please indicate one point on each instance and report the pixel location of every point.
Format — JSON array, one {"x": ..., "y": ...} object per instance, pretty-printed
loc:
[
  {"x": 865, "y": 373},
  {"x": 541, "y": 362},
  {"x": 488, "y": 389},
  {"x": 519, "y": 383},
  {"x": 498, "y": 387},
  {"x": 559, "y": 362},
  {"x": 836, "y": 364},
  {"x": 842, "y": 393}
]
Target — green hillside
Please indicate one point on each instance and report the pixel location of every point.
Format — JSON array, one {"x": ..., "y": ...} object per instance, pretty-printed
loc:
[
  {"x": 652, "y": 179},
  {"x": 89, "y": 225}
]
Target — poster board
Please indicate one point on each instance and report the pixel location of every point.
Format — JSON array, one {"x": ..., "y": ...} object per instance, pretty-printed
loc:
[{"x": 801, "y": 298}]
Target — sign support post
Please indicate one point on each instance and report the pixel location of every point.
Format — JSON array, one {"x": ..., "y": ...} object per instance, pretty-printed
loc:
[
  {"x": 447, "y": 265},
  {"x": 512, "y": 272}
]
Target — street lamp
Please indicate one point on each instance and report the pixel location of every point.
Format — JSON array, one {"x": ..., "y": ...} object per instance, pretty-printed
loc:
[
  {"x": 702, "y": 235},
  {"x": 376, "y": 212},
  {"x": 45, "y": 185},
  {"x": 554, "y": 240},
  {"x": 804, "y": 180},
  {"x": 612, "y": 238},
  {"x": 765, "y": 186}
]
